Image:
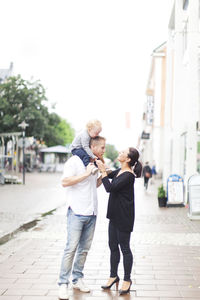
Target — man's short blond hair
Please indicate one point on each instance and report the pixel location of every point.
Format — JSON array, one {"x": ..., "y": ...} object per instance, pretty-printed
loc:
[
  {"x": 93, "y": 124},
  {"x": 96, "y": 140}
]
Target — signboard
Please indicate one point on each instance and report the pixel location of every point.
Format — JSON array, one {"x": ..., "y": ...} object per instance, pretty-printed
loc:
[
  {"x": 175, "y": 190},
  {"x": 194, "y": 197},
  {"x": 145, "y": 136}
]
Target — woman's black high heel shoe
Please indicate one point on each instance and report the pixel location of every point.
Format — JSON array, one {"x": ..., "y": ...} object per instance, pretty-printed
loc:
[
  {"x": 106, "y": 287},
  {"x": 123, "y": 292}
]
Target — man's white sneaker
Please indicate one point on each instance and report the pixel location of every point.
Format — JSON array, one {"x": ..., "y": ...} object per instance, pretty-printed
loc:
[
  {"x": 79, "y": 285},
  {"x": 63, "y": 292}
]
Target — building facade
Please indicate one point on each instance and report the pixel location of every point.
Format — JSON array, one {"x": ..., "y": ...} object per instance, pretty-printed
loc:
[
  {"x": 152, "y": 137},
  {"x": 174, "y": 90},
  {"x": 5, "y": 73},
  {"x": 182, "y": 109}
]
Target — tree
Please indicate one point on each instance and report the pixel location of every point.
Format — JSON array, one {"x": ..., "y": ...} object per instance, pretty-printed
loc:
[
  {"x": 111, "y": 152},
  {"x": 22, "y": 100},
  {"x": 59, "y": 131}
]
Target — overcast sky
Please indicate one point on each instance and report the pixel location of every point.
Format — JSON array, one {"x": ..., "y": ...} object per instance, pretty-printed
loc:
[{"x": 93, "y": 57}]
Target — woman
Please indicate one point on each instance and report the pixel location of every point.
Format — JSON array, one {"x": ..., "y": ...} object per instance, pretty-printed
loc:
[{"x": 121, "y": 212}]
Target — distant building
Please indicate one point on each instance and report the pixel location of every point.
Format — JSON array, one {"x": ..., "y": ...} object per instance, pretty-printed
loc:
[
  {"x": 5, "y": 73},
  {"x": 152, "y": 136}
]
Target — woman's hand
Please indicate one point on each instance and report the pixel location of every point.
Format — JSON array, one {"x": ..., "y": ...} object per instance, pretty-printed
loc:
[{"x": 101, "y": 166}]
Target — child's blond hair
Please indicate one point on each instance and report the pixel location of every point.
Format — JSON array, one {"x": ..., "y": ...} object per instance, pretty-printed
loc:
[{"x": 93, "y": 124}]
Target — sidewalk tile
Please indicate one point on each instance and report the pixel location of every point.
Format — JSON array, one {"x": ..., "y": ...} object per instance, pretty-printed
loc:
[
  {"x": 10, "y": 297},
  {"x": 24, "y": 292},
  {"x": 193, "y": 294},
  {"x": 8, "y": 280},
  {"x": 142, "y": 287},
  {"x": 38, "y": 298},
  {"x": 36, "y": 280},
  {"x": 24, "y": 275},
  {"x": 44, "y": 286},
  {"x": 158, "y": 294},
  {"x": 156, "y": 281},
  {"x": 15, "y": 285}
]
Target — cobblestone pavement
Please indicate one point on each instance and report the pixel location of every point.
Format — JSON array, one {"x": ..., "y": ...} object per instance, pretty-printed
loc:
[{"x": 165, "y": 246}]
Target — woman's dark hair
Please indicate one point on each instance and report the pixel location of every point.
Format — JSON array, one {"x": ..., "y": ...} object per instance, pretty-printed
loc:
[{"x": 134, "y": 156}]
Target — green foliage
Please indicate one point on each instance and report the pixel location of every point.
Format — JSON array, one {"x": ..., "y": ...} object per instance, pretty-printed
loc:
[
  {"x": 198, "y": 147},
  {"x": 111, "y": 152},
  {"x": 59, "y": 131},
  {"x": 22, "y": 100},
  {"x": 161, "y": 192}
]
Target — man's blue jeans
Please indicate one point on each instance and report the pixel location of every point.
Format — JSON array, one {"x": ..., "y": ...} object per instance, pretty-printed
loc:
[{"x": 80, "y": 232}]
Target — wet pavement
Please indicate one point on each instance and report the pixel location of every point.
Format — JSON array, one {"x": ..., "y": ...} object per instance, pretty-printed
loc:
[
  {"x": 21, "y": 205},
  {"x": 165, "y": 245}
]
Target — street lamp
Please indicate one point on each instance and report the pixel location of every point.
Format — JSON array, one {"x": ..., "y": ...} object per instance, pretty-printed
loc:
[{"x": 23, "y": 125}]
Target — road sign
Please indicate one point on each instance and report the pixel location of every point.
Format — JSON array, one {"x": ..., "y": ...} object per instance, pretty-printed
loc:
[
  {"x": 145, "y": 135},
  {"x": 175, "y": 190}
]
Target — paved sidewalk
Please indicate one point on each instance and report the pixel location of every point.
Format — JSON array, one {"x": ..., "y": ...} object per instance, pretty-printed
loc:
[
  {"x": 165, "y": 246},
  {"x": 22, "y": 205}
]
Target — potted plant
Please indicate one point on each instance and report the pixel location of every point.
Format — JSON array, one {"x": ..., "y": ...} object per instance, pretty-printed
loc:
[{"x": 162, "y": 199}]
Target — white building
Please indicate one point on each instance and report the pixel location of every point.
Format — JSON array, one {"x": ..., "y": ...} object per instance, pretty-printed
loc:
[
  {"x": 182, "y": 109},
  {"x": 174, "y": 89},
  {"x": 5, "y": 73}
]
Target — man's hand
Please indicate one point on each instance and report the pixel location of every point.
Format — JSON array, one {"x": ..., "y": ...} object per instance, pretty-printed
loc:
[
  {"x": 89, "y": 168},
  {"x": 72, "y": 180}
]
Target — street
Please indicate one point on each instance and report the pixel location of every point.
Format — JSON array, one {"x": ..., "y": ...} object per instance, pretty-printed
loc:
[
  {"x": 22, "y": 204},
  {"x": 165, "y": 246}
]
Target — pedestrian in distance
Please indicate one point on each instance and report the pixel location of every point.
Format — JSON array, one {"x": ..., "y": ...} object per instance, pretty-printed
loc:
[
  {"x": 81, "y": 143},
  {"x": 81, "y": 217},
  {"x": 154, "y": 172},
  {"x": 147, "y": 173},
  {"x": 121, "y": 213},
  {"x": 153, "y": 169}
]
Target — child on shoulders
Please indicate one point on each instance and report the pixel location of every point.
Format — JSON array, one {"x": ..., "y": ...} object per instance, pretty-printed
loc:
[{"x": 81, "y": 143}]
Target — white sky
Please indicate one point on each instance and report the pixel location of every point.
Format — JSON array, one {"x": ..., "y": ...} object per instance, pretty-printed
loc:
[{"x": 93, "y": 57}]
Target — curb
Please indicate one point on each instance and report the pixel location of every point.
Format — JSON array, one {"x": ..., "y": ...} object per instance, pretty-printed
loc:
[{"x": 26, "y": 226}]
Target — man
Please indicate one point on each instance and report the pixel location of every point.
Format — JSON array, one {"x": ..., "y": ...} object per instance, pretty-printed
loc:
[
  {"x": 81, "y": 217},
  {"x": 147, "y": 174}
]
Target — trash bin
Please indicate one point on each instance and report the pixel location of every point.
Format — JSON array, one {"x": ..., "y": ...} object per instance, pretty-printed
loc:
[
  {"x": 193, "y": 197},
  {"x": 175, "y": 190}
]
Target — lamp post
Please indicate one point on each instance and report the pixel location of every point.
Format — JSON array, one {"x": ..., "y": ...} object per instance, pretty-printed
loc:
[{"x": 23, "y": 125}]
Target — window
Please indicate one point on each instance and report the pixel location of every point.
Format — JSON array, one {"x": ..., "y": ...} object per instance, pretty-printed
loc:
[
  {"x": 183, "y": 153},
  {"x": 185, "y": 37},
  {"x": 185, "y": 4},
  {"x": 199, "y": 73},
  {"x": 198, "y": 153},
  {"x": 150, "y": 109}
]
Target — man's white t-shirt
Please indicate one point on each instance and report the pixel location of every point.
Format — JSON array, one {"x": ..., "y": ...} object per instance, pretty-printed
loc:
[{"x": 81, "y": 197}]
